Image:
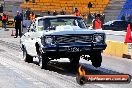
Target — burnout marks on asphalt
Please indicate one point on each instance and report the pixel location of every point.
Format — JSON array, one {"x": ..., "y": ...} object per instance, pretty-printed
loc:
[
  {"x": 10, "y": 45},
  {"x": 1, "y": 50}
]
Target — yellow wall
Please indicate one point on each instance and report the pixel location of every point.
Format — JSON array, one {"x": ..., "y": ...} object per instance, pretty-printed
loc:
[{"x": 119, "y": 49}]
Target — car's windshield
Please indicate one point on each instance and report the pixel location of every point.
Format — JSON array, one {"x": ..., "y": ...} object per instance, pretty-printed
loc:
[{"x": 59, "y": 21}]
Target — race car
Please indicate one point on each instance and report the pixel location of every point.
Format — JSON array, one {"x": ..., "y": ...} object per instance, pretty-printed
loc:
[{"x": 62, "y": 36}]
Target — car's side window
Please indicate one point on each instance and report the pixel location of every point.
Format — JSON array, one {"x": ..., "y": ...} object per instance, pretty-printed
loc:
[
  {"x": 123, "y": 24},
  {"x": 116, "y": 23},
  {"x": 47, "y": 24},
  {"x": 40, "y": 26},
  {"x": 40, "y": 22}
]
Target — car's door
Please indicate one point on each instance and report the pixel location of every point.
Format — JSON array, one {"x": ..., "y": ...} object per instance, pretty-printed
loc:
[
  {"x": 36, "y": 36},
  {"x": 124, "y": 25},
  {"x": 30, "y": 41},
  {"x": 115, "y": 25},
  {"x": 39, "y": 30}
]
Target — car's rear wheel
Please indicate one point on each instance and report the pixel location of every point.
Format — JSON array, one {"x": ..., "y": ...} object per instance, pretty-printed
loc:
[
  {"x": 27, "y": 57},
  {"x": 96, "y": 59}
]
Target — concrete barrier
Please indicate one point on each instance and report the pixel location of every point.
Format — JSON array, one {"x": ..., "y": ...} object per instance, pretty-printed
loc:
[
  {"x": 9, "y": 23},
  {"x": 119, "y": 49}
]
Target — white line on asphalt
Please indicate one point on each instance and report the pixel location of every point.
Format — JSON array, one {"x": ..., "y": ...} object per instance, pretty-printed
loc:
[{"x": 102, "y": 86}]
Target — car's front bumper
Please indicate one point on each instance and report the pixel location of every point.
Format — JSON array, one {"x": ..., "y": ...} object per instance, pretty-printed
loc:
[{"x": 69, "y": 49}]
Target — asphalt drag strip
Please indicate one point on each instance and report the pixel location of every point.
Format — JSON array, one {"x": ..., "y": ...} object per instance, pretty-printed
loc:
[{"x": 59, "y": 73}]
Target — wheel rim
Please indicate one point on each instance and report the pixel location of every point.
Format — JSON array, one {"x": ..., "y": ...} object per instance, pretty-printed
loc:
[
  {"x": 96, "y": 61},
  {"x": 40, "y": 60},
  {"x": 24, "y": 54}
]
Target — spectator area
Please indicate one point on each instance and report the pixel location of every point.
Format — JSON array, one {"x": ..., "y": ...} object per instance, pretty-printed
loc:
[
  {"x": 68, "y": 5},
  {"x": 126, "y": 9}
]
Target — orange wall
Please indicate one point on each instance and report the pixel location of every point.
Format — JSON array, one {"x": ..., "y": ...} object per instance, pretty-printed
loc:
[{"x": 68, "y": 5}]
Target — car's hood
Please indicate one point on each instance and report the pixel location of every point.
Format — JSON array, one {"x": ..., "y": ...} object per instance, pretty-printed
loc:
[{"x": 63, "y": 30}]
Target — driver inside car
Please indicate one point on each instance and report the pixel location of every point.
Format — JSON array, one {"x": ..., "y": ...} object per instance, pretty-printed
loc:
[{"x": 47, "y": 24}]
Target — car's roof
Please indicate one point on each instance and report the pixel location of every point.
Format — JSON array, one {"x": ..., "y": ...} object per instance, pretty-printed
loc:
[
  {"x": 117, "y": 20},
  {"x": 110, "y": 22},
  {"x": 56, "y": 16}
]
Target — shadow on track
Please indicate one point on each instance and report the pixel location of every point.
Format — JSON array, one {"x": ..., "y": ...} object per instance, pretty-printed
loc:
[{"x": 66, "y": 68}]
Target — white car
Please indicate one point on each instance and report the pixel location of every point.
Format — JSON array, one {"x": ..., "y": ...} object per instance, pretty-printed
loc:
[{"x": 62, "y": 36}]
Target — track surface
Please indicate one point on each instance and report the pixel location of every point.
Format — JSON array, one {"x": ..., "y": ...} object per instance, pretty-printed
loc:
[{"x": 15, "y": 73}]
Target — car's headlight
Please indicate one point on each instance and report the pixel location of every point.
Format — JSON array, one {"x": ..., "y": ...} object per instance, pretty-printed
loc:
[
  {"x": 49, "y": 40},
  {"x": 99, "y": 38}
]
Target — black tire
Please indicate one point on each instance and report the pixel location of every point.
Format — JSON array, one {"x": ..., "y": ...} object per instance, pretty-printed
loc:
[
  {"x": 74, "y": 63},
  {"x": 96, "y": 59},
  {"x": 74, "y": 60},
  {"x": 40, "y": 59},
  {"x": 27, "y": 57},
  {"x": 45, "y": 61},
  {"x": 39, "y": 55}
]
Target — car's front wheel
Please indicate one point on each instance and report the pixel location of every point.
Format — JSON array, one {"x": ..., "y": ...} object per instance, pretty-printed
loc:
[
  {"x": 96, "y": 59},
  {"x": 43, "y": 61},
  {"x": 27, "y": 57},
  {"x": 74, "y": 61}
]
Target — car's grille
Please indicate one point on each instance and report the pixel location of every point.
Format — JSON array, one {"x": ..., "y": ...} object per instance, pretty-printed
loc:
[{"x": 74, "y": 38}]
